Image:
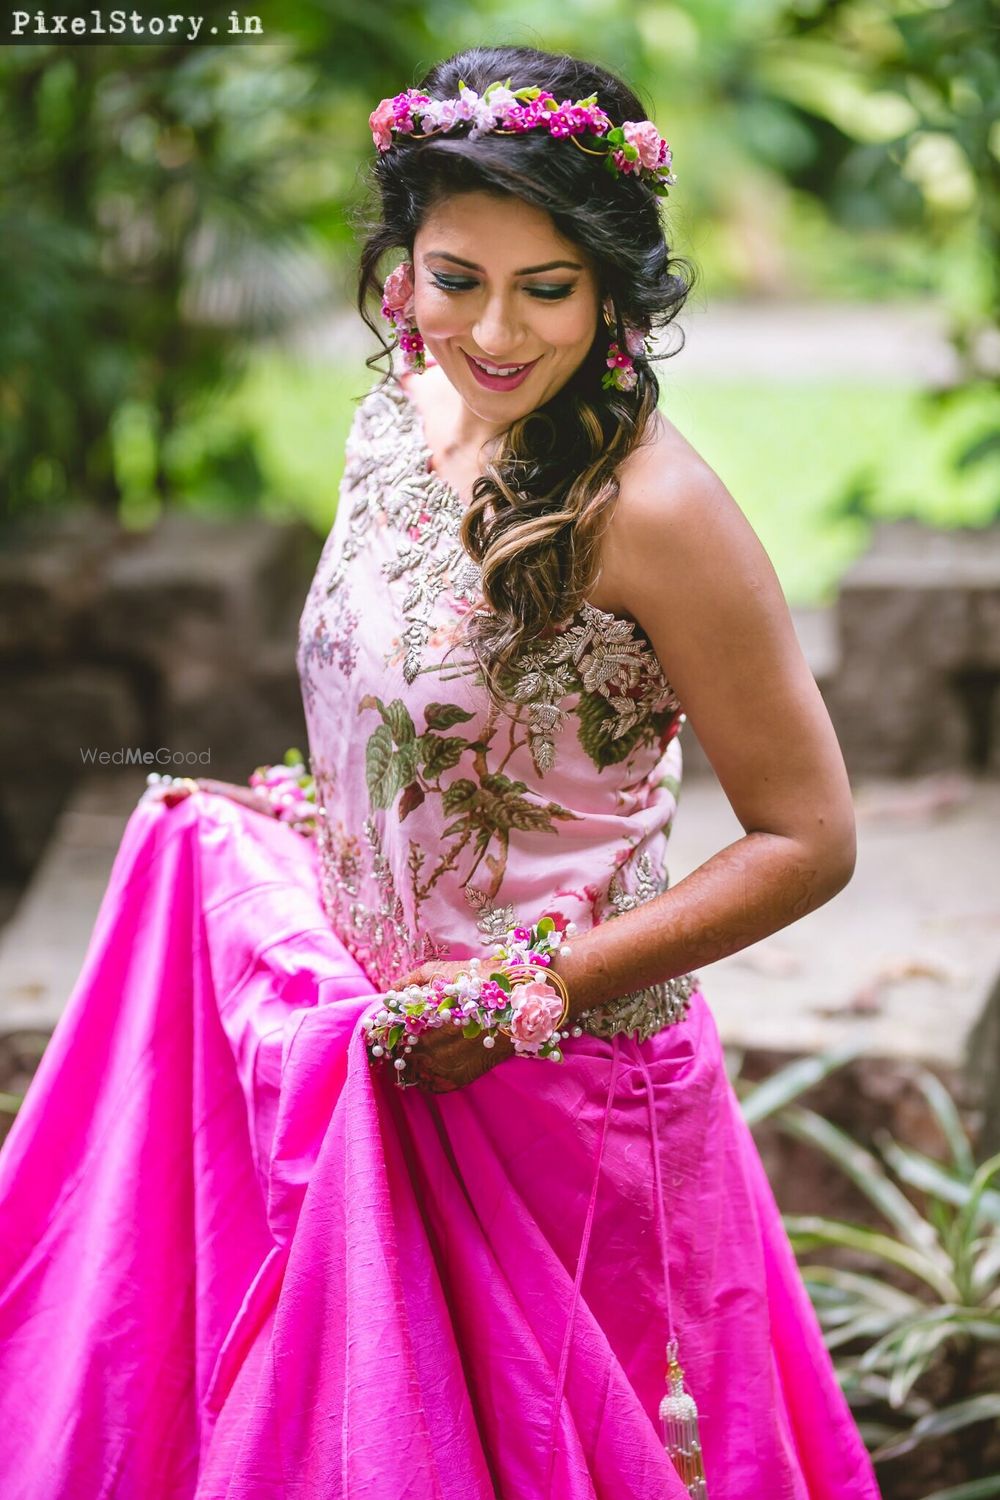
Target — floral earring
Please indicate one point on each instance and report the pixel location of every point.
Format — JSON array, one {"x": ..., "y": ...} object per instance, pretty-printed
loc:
[
  {"x": 398, "y": 307},
  {"x": 621, "y": 374}
]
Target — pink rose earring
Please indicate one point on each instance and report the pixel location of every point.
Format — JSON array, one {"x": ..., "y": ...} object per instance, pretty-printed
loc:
[
  {"x": 398, "y": 307},
  {"x": 621, "y": 374}
]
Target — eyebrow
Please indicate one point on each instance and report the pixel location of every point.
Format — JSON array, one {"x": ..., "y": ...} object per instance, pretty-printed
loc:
[{"x": 550, "y": 265}]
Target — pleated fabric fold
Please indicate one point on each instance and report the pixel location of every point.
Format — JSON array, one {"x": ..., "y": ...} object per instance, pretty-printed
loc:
[{"x": 237, "y": 1262}]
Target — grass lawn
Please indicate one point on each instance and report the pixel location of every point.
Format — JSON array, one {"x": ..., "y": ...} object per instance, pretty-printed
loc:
[{"x": 790, "y": 454}]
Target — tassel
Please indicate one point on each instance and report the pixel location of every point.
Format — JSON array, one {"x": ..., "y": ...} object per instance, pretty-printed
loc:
[{"x": 679, "y": 1416}]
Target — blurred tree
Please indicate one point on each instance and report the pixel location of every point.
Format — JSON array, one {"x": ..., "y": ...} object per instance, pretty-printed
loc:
[
  {"x": 902, "y": 98},
  {"x": 162, "y": 207},
  {"x": 142, "y": 220}
]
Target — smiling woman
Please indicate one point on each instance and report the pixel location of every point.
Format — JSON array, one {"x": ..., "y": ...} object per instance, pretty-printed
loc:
[
  {"x": 468, "y": 1258},
  {"x": 505, "y": 317}
]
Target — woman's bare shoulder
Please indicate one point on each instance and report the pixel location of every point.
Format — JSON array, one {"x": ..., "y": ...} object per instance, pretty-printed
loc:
[
  {"x": 666, "y": 475},
  {"x": 670, "y": 500}
]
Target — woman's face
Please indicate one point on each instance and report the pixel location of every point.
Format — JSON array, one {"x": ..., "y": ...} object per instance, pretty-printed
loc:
[{"x": 479, "y": 295}]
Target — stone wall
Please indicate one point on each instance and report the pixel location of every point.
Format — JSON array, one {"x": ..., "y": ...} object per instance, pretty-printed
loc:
[
  {"x": 184, "y": 638},
  {"x": 908, "y": 656},
  {"x": 916, "y": 685},
  {"x": 181, "y": 639}
]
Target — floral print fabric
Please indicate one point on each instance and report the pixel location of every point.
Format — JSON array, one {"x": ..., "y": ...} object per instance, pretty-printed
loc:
[{"x": 436, "y": 809}]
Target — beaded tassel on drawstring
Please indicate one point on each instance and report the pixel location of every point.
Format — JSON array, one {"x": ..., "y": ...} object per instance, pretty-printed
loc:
[{"x": 679, "y": 1416}]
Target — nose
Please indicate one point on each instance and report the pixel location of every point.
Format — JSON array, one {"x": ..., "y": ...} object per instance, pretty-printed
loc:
[{"x": 497, "y": 331}]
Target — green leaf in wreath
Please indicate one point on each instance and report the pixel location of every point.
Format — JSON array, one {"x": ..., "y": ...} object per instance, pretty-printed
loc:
[
  {"x": 471, "y": 1029},
  {"x": 395, "y": 1032}
]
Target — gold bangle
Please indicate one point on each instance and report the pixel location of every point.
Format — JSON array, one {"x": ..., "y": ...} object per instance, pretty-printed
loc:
[{"x": 525, "y": 973}]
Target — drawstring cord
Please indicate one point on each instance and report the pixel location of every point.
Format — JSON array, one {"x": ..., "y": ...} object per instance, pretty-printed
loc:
[
  {"x": 581, "y": 1261},
  {"x": 677, "y": 1409},
  {"x": 661, "y": 1222}
]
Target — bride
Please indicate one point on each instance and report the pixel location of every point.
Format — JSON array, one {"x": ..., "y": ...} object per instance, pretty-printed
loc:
[{"x": 261, "y": 1235}]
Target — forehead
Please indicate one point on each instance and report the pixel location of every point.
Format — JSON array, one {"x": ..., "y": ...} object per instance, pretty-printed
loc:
[{"x": 499, "y": 233}]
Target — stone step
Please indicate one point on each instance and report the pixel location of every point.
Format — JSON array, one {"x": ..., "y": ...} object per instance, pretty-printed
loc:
[{"x": 905, "y": 957}]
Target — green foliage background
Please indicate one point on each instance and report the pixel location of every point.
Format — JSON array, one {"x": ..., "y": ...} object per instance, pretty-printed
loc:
[{"x": 167, "y": 213}]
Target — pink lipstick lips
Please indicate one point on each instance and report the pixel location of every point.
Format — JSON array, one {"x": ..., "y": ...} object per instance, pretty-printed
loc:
[{"x": 499, "y": 382}]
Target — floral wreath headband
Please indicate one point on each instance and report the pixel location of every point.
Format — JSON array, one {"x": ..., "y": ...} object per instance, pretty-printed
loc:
[{"x": 634, "y": 148}]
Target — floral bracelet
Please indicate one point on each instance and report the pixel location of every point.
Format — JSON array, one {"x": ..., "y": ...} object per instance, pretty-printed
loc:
[
  {"x": 290, "y": 791},
  {"x": 516, "y": 998}
]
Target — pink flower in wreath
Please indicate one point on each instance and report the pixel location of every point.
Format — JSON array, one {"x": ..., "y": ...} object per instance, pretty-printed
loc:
[
  {"x": 381, "y": 121},
  {"x": 536, "y": 1009},
  {"x": 397, "y": 293},
  {"x": 644, "y": 136}
]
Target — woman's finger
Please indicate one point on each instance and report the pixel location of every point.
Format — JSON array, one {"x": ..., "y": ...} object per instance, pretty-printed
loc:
[{"x": 247, "y": 796}]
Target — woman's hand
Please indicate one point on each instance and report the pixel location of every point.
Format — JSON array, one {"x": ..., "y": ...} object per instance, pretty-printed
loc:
[
  {"x": 442, "y": 1059},
  {"x": 247, "y": 796}
]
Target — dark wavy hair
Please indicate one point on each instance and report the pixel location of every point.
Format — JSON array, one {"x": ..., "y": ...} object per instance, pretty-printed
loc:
[{"x": 537, "y": 514}]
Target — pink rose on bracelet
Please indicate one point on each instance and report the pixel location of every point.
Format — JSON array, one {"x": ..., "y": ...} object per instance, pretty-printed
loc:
[{"x": 536, "y": 1009}]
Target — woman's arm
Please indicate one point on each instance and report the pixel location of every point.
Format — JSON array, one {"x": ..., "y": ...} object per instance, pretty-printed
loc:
[{"x": 680, "y": 556}]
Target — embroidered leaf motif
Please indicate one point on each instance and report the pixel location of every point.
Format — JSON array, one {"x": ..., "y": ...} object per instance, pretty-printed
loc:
[
  {"x": 543, "y": 754},
  {"x": 412, "y": 797},
  {"x": 461, "y": 794},
  {"x": 595, "y": 728},
  {"x": 440, "y": 754},
  {"x": 382, "y": 768},
  {"x": 406, "y": 761},
  {"x": 397, "y": 716},
  {"x": 444, "y": 715},
  {"x": 530, "y": 818},
  {"x": 530, "y": 684}
]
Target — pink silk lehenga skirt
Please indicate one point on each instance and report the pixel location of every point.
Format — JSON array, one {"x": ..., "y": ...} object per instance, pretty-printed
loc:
[{"x": 238, "y": 1262}]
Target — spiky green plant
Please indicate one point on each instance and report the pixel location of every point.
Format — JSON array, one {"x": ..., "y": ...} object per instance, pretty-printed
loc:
[{"x": 944, "y": 1319}]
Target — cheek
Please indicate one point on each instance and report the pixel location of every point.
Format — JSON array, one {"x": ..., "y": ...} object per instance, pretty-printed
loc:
[
  {"x": 572, "y": 327},
  {"x": 437, "y": 313}
]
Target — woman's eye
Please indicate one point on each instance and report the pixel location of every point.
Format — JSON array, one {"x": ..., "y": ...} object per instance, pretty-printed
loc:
[{"x": 461, "y": 284}]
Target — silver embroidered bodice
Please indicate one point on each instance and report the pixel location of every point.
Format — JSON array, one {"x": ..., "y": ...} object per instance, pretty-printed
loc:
[{"x": 441, "y": 819}]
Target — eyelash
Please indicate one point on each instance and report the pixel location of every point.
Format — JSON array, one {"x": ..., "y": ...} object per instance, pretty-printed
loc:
[{"x": 460, "y": 284}]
